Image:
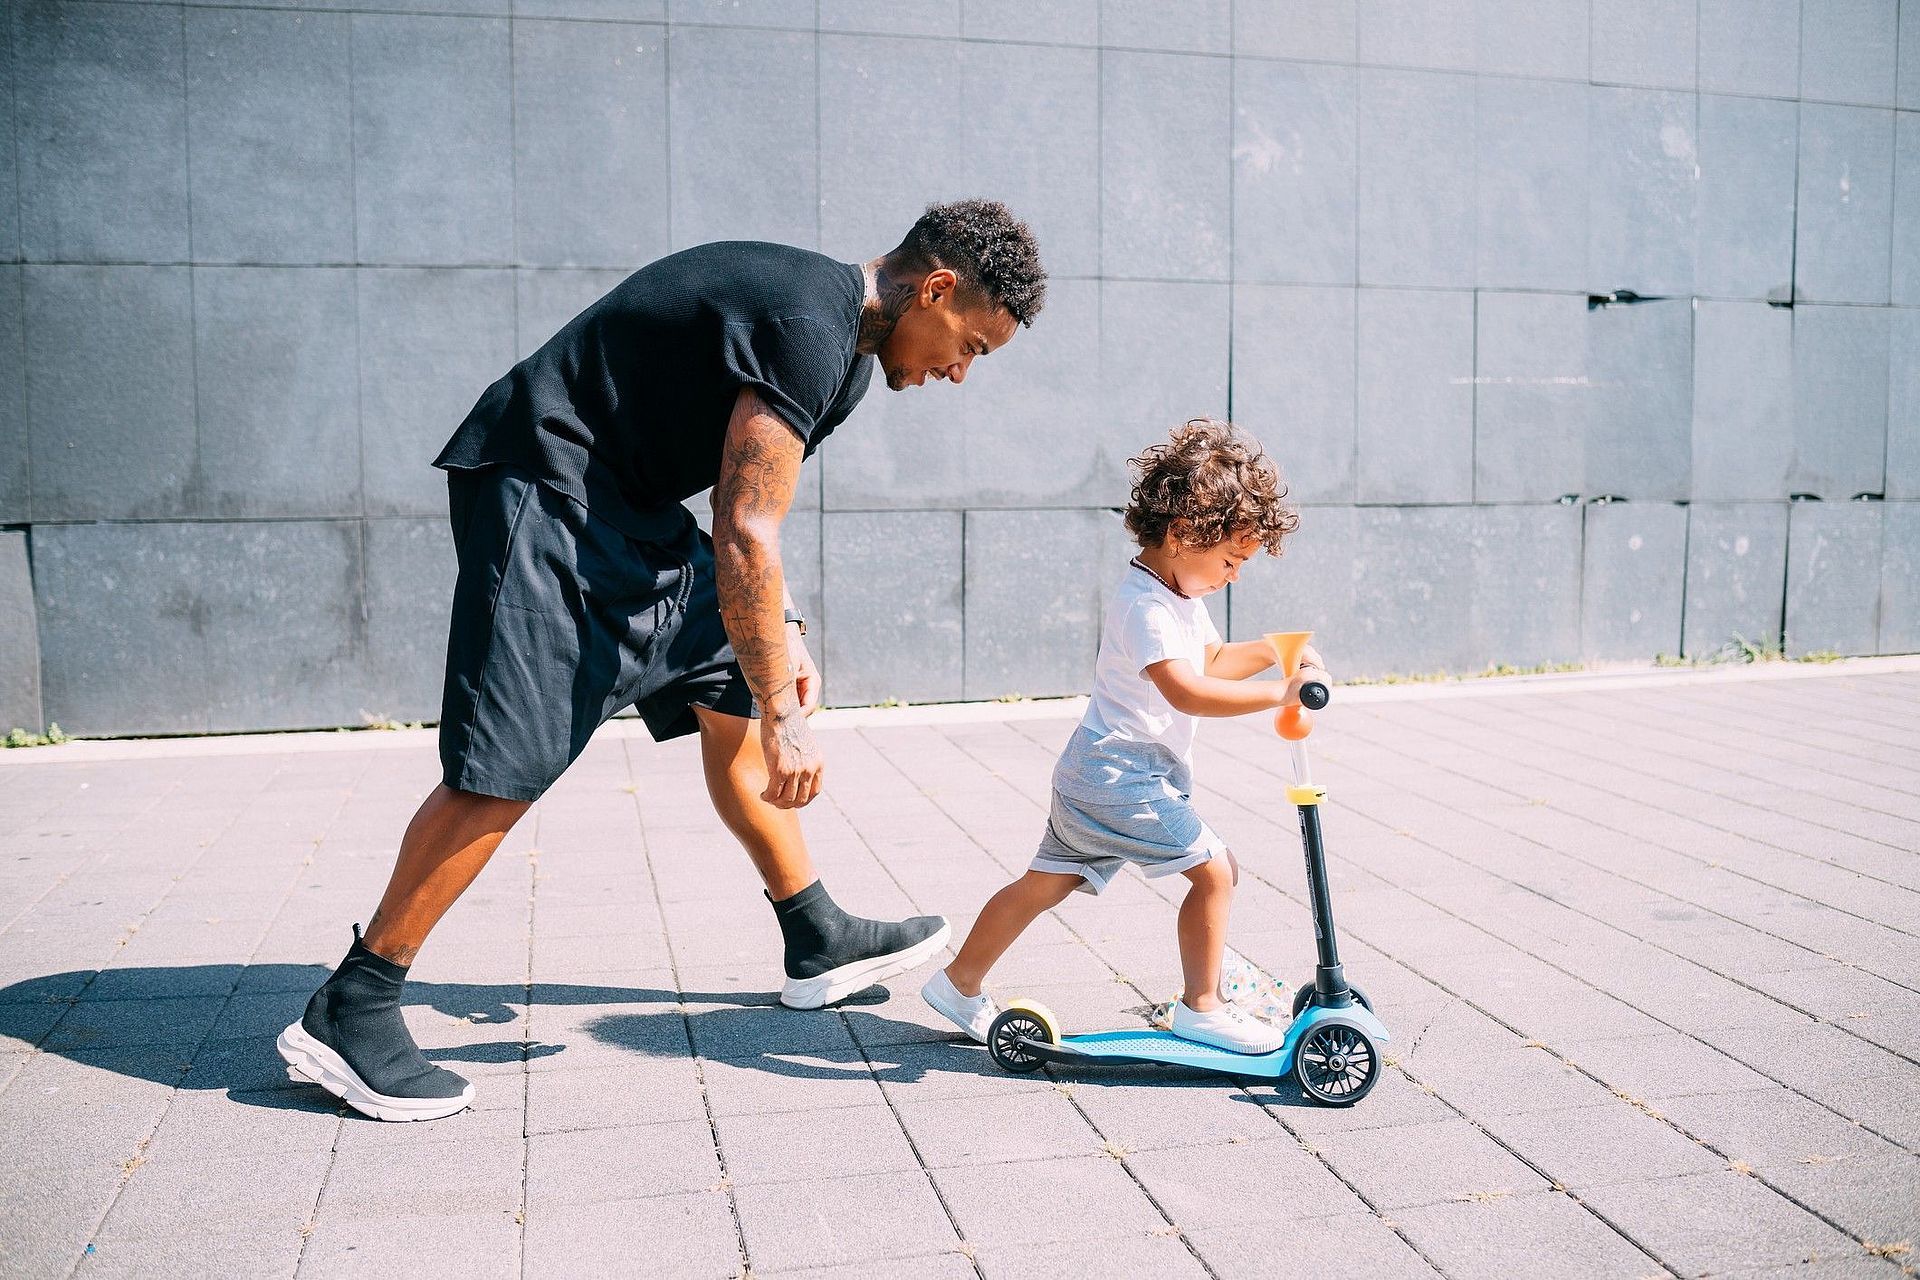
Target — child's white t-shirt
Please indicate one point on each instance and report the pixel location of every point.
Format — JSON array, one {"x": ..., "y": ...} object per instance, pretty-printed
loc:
[{"x": 1132, "y": 744}]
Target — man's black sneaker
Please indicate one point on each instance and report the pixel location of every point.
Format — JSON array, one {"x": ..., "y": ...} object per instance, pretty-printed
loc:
[
  {"x": 352, "y": 1042},
  {"x": 830, "y": 954}
]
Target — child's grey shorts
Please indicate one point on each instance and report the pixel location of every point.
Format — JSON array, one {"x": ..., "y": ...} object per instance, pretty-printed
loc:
[
  {"x": 561, "y": 620},
  {"x": 1162, "y": 836}
]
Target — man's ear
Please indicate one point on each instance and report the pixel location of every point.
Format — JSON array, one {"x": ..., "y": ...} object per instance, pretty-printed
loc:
[{"x": 939, "y": 283}]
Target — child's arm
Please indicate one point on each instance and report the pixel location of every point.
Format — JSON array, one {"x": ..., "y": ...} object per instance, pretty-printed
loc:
[
  {"x": 1238, "y": 660},
  {"x": 1191, "y": 693},
  {"x": 1245, "y": 658}
]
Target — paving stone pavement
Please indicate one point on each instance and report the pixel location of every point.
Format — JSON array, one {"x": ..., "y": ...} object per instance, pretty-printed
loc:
[{"x": 1650, "y": 952}]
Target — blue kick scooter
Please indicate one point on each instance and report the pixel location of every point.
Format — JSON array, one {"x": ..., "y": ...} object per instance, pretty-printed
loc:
[{"x": 1332, "y": 1043}]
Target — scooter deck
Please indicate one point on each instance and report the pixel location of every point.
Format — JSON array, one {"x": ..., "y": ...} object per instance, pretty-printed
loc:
[{"x": 1164, "y": 1047}]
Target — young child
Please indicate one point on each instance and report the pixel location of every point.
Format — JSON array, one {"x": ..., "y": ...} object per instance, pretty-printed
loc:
[{"x": 1202, "y": 505}]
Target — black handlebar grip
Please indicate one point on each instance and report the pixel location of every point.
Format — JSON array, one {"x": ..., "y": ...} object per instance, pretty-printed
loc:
[{"x": 1315, "y": 695}]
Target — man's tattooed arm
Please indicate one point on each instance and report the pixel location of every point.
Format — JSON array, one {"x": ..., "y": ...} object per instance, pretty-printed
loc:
[{"x": 759, "y": 466}]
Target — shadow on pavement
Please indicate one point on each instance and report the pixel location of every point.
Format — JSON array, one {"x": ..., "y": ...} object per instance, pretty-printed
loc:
[{"x": 213, "y": 1026}]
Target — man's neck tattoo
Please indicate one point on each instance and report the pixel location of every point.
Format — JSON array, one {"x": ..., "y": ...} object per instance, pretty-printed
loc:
[{"x": 888, "y": 297}]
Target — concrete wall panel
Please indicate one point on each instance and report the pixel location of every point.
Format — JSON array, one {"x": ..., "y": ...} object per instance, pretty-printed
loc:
[
  {"x": 1531, "y": 178},
  {"x": 1166, "y": 178},
  {"x": 1904, "y": 279},
  {"x": 191, "y": 628},
  {"x": 1633, "y": 580},
  {"x": 1163, "y": 360},
  {"x": 1316, "y": 30},
  {"x": 892, "y": 594},
  {"x": 892, "y": 17},
  {"x": 430, "y": 342},
  {"x": 1847, "y": 51},
  {"x": 1736, "y": 574},
  {"x": 1031, "y": 411},
  {"x": 1200, "y": 26},
  {"x": 19, "y": 639},
  {"x": 1293, "y": 173},
  {"x": 1642, "y": 187},
  {"x": 1840, "y": 362},
  {"x": 1648, "y": 43},
  {"x": 1744, "y": 244},
  {"x": 15, "y": 487},
  {"x": 277, "y": 391},
  {"x": 1640, "y": 429},
  {"x": 1434, "y": 34},
  {"x": 1062, "y": 22},
  {"x": 882, "y": 96},
  {"x": 1031, "y": 138},
  {"x": 1032, "y": 607},
  {"x": 1833, "y": 577},
  {"x": 1412, "y": 576},
  {"x": 1743, "y": 419},
  {"x": 432, "y": 130},
  {"x": 1294, "y": 383},
  {"x": 589, "y": 98},
  {"x": 743, "y": 140},
  {"x": 1415, "y": 406},
  {"x": 1416, "y": 212},
  {"x": 1532, "y": 396},
  {"x": 102, "y": 109},
  {"x": 110, "y": 413},
  {"x": 410, "y": 571},
  {"x": 1546, "y": 38},
  {"x": 1903, "y": 404},
  {"x": 270, "y": 110},
  {"x": 1844, "y": 235},
  {"x": 1750, "y": 47},
  {"x": 1900, "y": 578},
  {"x": 1525, "y": 591}
]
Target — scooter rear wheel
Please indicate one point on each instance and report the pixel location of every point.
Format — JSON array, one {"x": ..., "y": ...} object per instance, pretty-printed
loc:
[
  {"x": 1305, "y": 993},
  {"x": 1006, "y": 1036},
  {"x": 1337, "y": 1064}
]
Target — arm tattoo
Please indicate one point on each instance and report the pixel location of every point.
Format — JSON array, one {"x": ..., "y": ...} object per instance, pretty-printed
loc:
[{"x": 759, "y": 466}]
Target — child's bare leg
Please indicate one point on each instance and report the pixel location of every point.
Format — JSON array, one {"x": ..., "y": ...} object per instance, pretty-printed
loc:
[
  {"x": 1203, "y": 931},
  {"x": 1004, "y": 918}
]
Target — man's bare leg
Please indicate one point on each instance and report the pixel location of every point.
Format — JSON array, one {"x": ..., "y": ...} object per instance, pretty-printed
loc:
[
  {"x": 351, "y": 1040},
  {"x": 829, "y": 954},
  {"x": 449, "y": 840}
]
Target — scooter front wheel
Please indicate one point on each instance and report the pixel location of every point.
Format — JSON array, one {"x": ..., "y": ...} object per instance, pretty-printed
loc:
[
  {"x": 1021, "y": 1024},
  {"x": 1337, "y": 1064}
]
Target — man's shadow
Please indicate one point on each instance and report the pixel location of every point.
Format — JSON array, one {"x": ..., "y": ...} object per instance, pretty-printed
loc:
[{"x": 213, "y": 1026}]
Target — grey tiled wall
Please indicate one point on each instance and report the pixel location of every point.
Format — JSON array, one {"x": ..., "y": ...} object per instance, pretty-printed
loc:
[{"x": 256, "y": 262}]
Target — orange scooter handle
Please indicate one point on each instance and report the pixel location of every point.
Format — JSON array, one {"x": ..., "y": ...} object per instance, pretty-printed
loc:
[{"x": 1295, "y": 723}]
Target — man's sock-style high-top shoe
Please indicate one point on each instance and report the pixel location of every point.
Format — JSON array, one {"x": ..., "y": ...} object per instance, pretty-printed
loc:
[
  {"x": 353, "y": 1043},
  {"x": 831, "y": 954}
]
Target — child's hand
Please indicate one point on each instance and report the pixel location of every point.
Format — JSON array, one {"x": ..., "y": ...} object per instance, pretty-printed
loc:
[{"x": 1310, "y": 658}]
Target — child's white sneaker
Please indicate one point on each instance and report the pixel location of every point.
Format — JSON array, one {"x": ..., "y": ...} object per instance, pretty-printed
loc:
[
  {"x": 972, "y": 1014},
  {"x": 1229, "y": 1027}
]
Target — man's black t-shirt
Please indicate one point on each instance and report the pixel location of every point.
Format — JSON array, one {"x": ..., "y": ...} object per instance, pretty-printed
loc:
[{"x": 626, "y": 408}]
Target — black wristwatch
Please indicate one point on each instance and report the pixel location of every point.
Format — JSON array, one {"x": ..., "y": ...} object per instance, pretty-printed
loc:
[{"x": 797, "y": 620}]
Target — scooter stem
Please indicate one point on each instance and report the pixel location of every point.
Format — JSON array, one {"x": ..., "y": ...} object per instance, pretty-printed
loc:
[{"x": 1294, "y": 724}]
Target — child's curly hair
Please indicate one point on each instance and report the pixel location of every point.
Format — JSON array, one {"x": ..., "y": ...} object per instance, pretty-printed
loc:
[{"x": 1216, "y": 480}]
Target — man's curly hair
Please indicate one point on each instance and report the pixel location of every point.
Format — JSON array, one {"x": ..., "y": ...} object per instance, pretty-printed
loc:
[
  {"x": 992, "y": 252},
  {"x": 1216, "y": 480}
]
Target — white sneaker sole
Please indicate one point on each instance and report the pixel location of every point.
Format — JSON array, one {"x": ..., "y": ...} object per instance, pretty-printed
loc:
[
  {"x": 811, "y": 993},
  {"x": 311, "y": 1062}
]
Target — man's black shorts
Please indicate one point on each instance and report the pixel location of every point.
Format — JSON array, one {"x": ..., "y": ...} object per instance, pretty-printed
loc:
[{"x": 561, "y": 620}]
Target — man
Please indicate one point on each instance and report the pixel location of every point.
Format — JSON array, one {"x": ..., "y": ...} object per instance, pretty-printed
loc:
[{"x": 585, "y": 587}]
